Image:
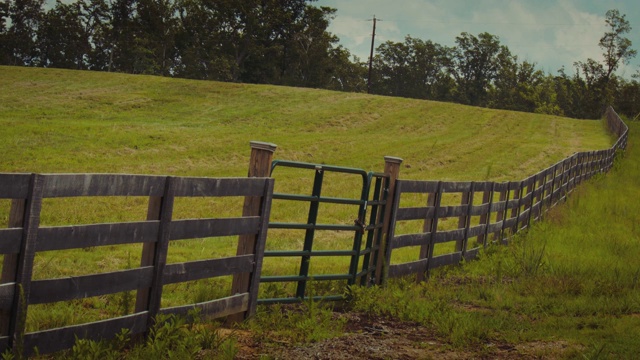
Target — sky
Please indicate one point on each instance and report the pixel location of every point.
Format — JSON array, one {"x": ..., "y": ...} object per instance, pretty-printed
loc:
[{"x": 549, "y": 33}]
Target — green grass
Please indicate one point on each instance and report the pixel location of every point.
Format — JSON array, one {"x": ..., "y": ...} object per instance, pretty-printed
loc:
[
  {"x": 68, "y": 121},
  {"x": 572, "y": 279}
]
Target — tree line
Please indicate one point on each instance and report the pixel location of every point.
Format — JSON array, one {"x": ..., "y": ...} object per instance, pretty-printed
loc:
[{"x": 286, "y": 42}]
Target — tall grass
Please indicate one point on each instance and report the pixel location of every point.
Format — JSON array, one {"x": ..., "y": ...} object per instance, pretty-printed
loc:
[{"x": 573, "y": 278}]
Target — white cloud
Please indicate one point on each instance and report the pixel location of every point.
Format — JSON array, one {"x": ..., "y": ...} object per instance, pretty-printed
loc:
[{"x": 551, "y": 33}]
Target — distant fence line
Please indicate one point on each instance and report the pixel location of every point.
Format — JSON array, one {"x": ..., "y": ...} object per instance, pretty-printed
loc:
[{"x": 505, "y": 209}]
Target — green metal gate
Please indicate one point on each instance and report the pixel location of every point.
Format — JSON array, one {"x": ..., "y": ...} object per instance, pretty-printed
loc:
[{"x": 364, "y": 223}]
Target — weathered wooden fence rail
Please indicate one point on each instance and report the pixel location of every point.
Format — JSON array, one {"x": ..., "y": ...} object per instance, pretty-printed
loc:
[
  {"x": 25, "y": 237},
  {"x": 486, "y": 212}
]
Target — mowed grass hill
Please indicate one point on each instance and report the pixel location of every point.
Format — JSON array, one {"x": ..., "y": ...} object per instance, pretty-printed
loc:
[
  {"x": 79, "y": 121},
  {"x": 569, "y": 289}
]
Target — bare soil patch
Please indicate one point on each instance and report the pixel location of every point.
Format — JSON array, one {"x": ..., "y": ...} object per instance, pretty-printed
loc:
[{"x": 368, "y": 337}]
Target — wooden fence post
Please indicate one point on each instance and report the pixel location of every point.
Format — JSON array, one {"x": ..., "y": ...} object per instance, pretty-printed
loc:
[
  {"x": 24, "y": 264},
  {"x": 392, "y": 168},
  {"x": 501, "y": 216},
  {"x": 259, "y": 166},
  {"x": 464, "y": 221},
  {"x": 161, "y": 248},
  {"x": 10, "y": 262},
  {"x": 485, "y": 219},
  {"x": 148, "y": 254}
]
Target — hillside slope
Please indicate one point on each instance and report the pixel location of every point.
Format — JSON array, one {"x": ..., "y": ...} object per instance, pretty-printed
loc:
[{"x": 78, "y": 121}]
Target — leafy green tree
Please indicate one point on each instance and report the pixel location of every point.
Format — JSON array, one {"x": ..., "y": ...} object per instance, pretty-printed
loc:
[
  {"x": 517, "y": 86},
  {"x": 20, "y": 39},
  {"x": 123, "y": 47},
  {"x": 306, "y": 56},
  {"x": 415, "y": 69},
  {"x": 155, "y": 37},
  {"x": 347, "y": 73},
  {"x": 627, "y": 101},
  {"x": 474, "y": 65},
  {"x": 5, "y": 54},
  {"x": 200, "y": 54},
  {"x": 96, "y": 19},
  {"x": 62, "y": 40},
  {"x": 617, "y": 48}
]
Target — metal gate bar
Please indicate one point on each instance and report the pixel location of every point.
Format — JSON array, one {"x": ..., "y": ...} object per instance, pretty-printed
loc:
[{"x": 372, "y": 228}]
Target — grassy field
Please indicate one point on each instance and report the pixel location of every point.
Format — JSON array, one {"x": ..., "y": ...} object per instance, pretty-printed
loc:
[
  {"x": 68, "y": 121},
  {"x": 568, "y": 288}
]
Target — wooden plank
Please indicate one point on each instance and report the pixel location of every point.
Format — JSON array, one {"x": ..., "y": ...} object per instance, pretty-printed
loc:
[
  {"x": 495, "y": 227},
  {"x": 482, "y": 186},
  {"x": 537, "y": 192},
  {"x": 514, "y": 185},
  {"x": 414, "y": 267},
  {"x": 524, "y": 215},
  {"x": 214, "y": 309},
  {"x": 83, "y": 236},
  {"x": 415, "y": 213},
  {"x": 203, "y": 228},
  {"x": 478, "y": 210},
  {"x": 456, "y": 186},
  {"x": 414, "y": 186},
  {"x": 75, "y": 287},
  {"x": 472, "y": 254},
  {"x": 444, "y": 260},
  {"x": 526, "y": 200},
  {"x": 499, "y": 187},
  {"x": 14, "y": 186},
  {"x": 202, "y": 269},
  {"x": 476, "y": 230},
  {"x": 513, "y": 203},
  {"x": 6, "y": 296},
  {"x": 410, "y": 240},
  {"x": 10, "y": 240},
  {"x": 49, "y": 341},
  {"x": 447, "y": 236},
  {"x": 452, "y": 211},
  {"x": 529, "y": 181},
  {"x": 67, "y": 185},
  {"x": 509, "y": 223},
  {"x": 498, "y": 206},
  {"x": 217, "y": 187}
]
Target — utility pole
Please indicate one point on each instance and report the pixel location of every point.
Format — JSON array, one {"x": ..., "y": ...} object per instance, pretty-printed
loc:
[{"x": 373, "y": 39}]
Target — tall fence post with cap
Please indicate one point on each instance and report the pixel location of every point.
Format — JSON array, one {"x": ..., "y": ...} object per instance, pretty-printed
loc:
[
  {"x": 392, "y": 168},
  {"x": 259, "y": 166}
]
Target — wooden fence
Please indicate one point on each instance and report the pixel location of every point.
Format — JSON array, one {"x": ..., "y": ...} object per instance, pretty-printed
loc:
[
  {"x": 486, "y": 211},
  {"x": 25, "y": 238}
]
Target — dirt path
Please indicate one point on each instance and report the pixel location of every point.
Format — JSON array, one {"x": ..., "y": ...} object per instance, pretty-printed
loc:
[{"x": 378, "y": 338}]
